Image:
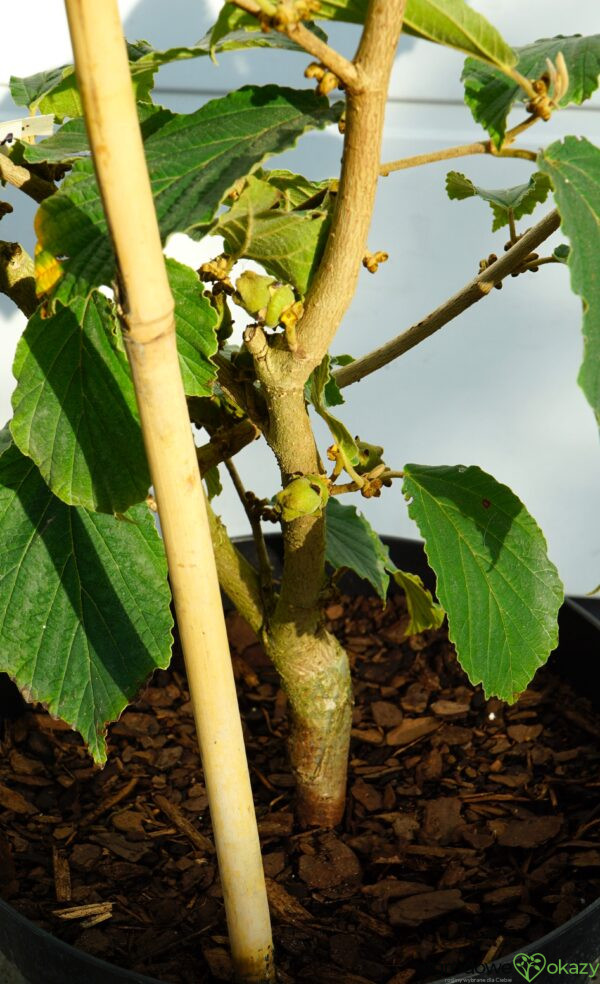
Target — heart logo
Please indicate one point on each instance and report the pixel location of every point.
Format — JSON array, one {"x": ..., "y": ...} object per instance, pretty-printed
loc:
[{"x": 529, "y": 966}]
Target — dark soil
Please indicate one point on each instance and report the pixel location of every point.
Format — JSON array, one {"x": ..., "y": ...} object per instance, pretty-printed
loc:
[{"x": 472, "y": 828}]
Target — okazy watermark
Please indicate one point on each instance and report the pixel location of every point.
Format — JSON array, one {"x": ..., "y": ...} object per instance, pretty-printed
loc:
[{"x": 530, "y": 966}]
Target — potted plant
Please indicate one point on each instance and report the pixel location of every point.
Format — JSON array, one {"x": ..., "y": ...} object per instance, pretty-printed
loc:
[{"x": 87, "y": 437}]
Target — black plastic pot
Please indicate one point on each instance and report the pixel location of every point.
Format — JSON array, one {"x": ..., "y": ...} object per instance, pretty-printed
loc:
[{"x": 42, "y": 959}]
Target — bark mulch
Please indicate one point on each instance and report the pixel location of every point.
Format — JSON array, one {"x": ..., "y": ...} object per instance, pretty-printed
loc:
[{"x": 472, "y": 827}]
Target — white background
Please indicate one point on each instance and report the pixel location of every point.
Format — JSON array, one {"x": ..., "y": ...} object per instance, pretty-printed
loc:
[{"x": 497, "y": 387}]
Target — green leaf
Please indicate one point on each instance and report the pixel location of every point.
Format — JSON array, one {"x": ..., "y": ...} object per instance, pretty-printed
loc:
[
  {"x": 315, "y": 392},
  {"x": 351, "y": 542},
  {"x": 449, "y": 22},
  {"x": 193, "y": 161},
  {"x": 84, "y": 602},
  {"x": 56, "y": 92},
  {"x": 212, "y": 479},
  {"x": 297, "y": 192},
  {"x": 71, "y": 140},
  {"x": 331, "y": 391},
  {"x": 30, "y": 90},
  {"x": 196, "y": 323},
  {"x": 573, "y": 167},
  {"x": 5, "y": 438},
  {"x": 234, "y": 28},
  {"x": 494, "y": 579},
  {"x": 521, "y": 199},
  {"x": 74, "y": 407},
  {"x": 287, "y": 243},
  {"x": 423, "y": 611},
  {"x": 490, "y": 95}
]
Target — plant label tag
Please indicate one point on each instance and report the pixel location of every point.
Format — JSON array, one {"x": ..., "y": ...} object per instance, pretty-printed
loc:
[{"x": 30, "y": 126}]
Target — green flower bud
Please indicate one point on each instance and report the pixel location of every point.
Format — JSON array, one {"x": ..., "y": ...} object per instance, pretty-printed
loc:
[
  {"x": 282, "y": 297},
  {"x": 369, "y": 456},
  {"x": 253, "y": 291},
  {"x": 305, "y": 496}
]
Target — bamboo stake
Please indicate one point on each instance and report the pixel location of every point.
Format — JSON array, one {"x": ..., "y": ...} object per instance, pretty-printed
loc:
[{"x": 113, "y": 129}]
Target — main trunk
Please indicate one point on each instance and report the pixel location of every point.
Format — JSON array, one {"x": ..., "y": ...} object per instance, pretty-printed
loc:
[{"x": 315, "y": 675}]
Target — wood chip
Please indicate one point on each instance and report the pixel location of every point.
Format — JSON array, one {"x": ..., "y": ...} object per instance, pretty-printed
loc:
[
  {"x": 429, "y": 905},
  {"x": 524, "y": 732},
  {"x": 411, "y": 729},
  {"x": 284, "y": 906},
  {"x": 449, "y": 708},
  {"x": 173, "y": 812},
  {"x": 415, "y": 699},
  {"x": 62, "y": 876},
  {"x": 109, "y": 802},
  {"x": 513, "y": 780},
  {"x": 385, "y": 714},
  {"x": 101, "y": 917},
  {"x": 394, "y": 888},
  {"x": 10, "y": 799},
  {"x": 442, "y": 819},
  {"x": 84, "y": 911},
  {"x": 367, "y": 795},
  {"x": 130, "y": 823},
  {"x": 586, "y": 859},
  {"x": 499, "y": 896},
  {"x": 334, "y": 864},
  {"x": 370, "y": 735},
  {"x": 526, "y": 833},
  {"x": 276, "y": 825}
]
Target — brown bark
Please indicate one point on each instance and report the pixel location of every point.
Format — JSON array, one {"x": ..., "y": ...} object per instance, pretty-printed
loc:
[{"x": 315, "y": 675}]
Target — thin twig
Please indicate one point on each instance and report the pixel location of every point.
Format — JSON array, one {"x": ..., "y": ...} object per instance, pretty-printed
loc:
[
  {"x": 465, "y": 150},
  {"x": 472, "y": 292},
  {"x": 448, "y": 153},
  {"x": 513, "y": 133},
  {"x": 345, "y": 70},
  {"x": 24, "y": 179},
  {"x": 264, "y": 564},
  {"x": 511, "y": 225},
  {"x": 354, "y": 487},
  {"x": 534, "y": 264},
  {"x": 226, "y": 444}
]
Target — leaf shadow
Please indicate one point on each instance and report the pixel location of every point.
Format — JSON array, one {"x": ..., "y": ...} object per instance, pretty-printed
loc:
[
  {"x": 491, "y": 508},
  {"x": 72, "y": 360}
]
